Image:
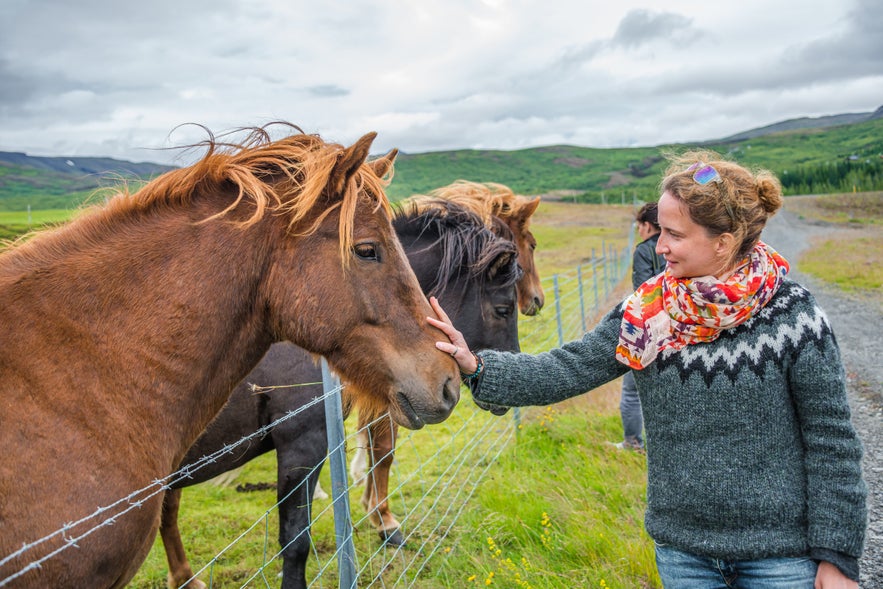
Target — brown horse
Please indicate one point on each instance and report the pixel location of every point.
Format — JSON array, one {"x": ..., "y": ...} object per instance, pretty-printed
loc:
[
  {"x": 125, "y": 331},
  {"x": 489, "y": 200}
]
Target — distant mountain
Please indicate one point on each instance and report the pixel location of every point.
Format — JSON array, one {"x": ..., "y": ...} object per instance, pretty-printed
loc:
[
  {"x": 102, "y": 166},
  {"x": 803, "y": 123},
  {"x": 35, "y": 182}
]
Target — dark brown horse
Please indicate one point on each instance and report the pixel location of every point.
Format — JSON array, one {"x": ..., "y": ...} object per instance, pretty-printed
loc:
[
  {"x": 125, "y": 331},
  {"x": 456, "y": 258}
]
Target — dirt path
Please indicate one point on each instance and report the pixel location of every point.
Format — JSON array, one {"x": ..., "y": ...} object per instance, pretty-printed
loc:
[{"x": 858, "y": 327}]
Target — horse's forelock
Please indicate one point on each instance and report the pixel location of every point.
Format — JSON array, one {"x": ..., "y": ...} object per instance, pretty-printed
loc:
[
  {"x": 459, "y": 234},
  {"x": 366, "y": 185}
]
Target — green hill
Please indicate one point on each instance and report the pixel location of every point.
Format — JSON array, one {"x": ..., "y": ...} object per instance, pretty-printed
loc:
[
  {"x": 60, "y": 182},
  {"x": 808, "y": 160},
  {"x": 842, "y": 156}
]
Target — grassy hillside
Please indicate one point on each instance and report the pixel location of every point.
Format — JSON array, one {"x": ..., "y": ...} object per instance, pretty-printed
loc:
[
  {"x": 815, "y": 160},
  {"x": 597, "y": 175}
]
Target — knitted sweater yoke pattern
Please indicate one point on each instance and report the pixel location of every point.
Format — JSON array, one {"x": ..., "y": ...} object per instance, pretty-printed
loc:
[{"x": 751, "y": 452}]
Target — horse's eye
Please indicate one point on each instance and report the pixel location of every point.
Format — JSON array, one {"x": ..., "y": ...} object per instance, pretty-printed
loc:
[
  {"x": 503, "y": 310},
  {"x": 366, "y": 251}
]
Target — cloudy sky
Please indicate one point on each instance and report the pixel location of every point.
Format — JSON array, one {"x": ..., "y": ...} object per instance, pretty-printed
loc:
[{"x": 119, "y": 79}]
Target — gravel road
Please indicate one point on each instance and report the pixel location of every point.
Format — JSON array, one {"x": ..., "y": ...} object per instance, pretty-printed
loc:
[{"x": 858, "y": 327}]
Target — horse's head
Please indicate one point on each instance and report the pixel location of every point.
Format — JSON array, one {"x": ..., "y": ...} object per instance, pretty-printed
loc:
[
  {"x": 530, "y": 292},
  {"x": 472, "y": 270},
  {"x": 364, "y": 310}
]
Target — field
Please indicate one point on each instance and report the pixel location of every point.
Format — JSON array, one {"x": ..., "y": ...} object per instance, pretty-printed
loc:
[{"x": 15, "y": 223}]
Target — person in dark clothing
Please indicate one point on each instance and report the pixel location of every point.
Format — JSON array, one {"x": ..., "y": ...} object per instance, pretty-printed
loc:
[
  {"x": 646, "y": 264},
  {"x": 753, "y": 465}
]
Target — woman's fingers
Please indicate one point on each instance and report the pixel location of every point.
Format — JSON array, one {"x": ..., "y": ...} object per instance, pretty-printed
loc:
[
  {"x": 456, "y": 347},
  {"x": 436, "y": 306}
]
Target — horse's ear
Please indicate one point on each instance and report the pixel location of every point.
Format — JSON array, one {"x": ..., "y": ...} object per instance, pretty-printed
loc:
[
  {"x": 526, "y": 208},
  {"x": 349, "y": 162},
  {"x": 530, "y": 207},
  {"x": 383, "y": 165}
]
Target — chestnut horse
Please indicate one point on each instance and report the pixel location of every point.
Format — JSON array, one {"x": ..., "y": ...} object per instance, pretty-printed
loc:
[
  {"x": 456, "y": 258},
  {"x": 125, "y": 331},
  {"x": 491, "y": 201}
]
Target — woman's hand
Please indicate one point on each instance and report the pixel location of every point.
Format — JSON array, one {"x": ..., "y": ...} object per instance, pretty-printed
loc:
[
  {"x": 456, "y": 347},
  {"x": 830, "y": 577}
]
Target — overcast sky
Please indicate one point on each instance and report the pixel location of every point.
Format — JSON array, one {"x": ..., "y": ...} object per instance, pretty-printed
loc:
[{"x": 118, "y": 78}]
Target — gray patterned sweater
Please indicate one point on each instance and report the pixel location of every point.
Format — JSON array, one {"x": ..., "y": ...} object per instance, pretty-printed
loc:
[{"x": 751, "y": 452}]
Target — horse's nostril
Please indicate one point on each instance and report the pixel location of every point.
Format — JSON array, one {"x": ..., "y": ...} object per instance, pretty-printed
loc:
[{"x": 451, "y": 393}]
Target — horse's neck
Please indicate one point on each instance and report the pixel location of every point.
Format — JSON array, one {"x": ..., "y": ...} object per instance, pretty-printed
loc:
[{"x": 165, "y": 318}]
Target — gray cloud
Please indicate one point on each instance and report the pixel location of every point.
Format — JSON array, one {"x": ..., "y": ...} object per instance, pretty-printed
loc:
[
  {"x": 640, "y": 27},
  {"x": 327, "y": 91},
  {"x": 856, "y": 51},
  {"x": 15, "y": 88},
  {"x": 117, "y": 78}
]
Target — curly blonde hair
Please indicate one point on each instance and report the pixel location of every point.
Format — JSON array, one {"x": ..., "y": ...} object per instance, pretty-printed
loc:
[{"x": 740, "y": 204}]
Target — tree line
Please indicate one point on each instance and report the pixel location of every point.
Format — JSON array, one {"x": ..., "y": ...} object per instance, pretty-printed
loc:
[{"x": 840, "y": 176}]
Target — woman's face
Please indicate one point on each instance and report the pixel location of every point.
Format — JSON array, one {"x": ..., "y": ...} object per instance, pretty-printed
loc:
[{"x": 687, "y": 247}]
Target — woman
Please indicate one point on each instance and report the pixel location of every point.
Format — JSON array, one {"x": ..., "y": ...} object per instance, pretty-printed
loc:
[
  {"x": 646, "y": 264},
  {"x": 754, "y": 476}
]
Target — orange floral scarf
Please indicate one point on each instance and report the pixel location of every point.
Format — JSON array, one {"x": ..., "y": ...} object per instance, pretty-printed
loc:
[{"x": 667, "y": 312}]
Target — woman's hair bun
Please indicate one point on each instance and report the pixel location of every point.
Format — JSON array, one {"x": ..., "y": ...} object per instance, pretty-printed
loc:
[{"x": 769, "y": 192}]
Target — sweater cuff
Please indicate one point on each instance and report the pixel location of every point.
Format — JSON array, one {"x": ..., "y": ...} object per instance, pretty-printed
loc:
[
  {"x": 848, "y": 565},
  {"x": 473, "y": 384}
]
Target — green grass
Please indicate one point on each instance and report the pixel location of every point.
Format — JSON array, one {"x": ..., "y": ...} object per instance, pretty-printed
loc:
[
  {"x": 560, "y": 509},
  {"x": 830, "y": 260},
  {"x": 16, "y": 223}
]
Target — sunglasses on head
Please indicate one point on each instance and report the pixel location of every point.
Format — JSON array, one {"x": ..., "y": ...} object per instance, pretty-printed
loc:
[{"x": 704, "y": 173}]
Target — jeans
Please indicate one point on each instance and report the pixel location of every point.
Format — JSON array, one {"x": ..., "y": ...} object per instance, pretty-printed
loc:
[
  {"x": 630, "y": 411},
  {"x": 682, "y": 570}
]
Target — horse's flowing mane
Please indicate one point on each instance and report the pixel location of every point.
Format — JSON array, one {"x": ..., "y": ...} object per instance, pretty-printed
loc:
[
  {"x": 460, "y": 235},
  {"x": 284, "y": 177},
  {"x": 486, "y": 199}
]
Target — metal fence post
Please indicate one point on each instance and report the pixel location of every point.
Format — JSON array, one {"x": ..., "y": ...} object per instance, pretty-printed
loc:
[
  {"x": 595, "y": 279},
  {"x": 558, "y": 310},
  {"x": 343, "y": 526},
  {"x": 604, "y": 260},
  {"x": 582, "y": 305}
]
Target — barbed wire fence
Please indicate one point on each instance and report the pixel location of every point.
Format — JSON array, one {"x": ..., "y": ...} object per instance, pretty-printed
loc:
[{"x": 435, "y": 473}]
